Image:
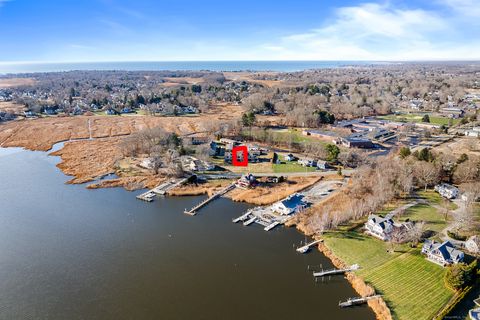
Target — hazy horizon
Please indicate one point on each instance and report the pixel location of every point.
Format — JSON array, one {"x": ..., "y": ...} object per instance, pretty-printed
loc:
[{"x": 117, "y": 30}]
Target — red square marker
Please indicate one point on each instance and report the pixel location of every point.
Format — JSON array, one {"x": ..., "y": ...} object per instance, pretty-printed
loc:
[{"x": 244, "y": 162}]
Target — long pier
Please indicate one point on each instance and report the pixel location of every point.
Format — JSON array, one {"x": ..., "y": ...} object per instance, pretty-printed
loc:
[
  {"x": 336, "y": 271},
  {"x": 306, "y": 247},
  {"x": 356, "y": 301},
  {"x": 194, "y": 210}
]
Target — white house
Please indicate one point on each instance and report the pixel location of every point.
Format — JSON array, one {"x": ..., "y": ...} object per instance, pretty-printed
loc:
[
  {"x": 292, "y": 204},
  {"x": 447, "y": 190},
  {"x": 322, "y": 165},
  {"x": 379, "y": 227},
  {"x": 442, "y": 253},
  {"x": 306, "y": 162},
  {"x": 473, "y": 244}
]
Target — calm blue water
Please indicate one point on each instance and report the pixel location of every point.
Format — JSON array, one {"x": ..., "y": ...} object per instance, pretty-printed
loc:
[
  {"x": 285, "y": 66},
  {"x": 71, "y": 253}
]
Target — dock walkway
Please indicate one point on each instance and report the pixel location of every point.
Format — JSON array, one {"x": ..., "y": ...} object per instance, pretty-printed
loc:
[
  {"x": 161, "y": 189},
  {"x": 356, "y": 301},
  {"x": 194, "y": 210},
  {"x": 306, "y": 247},
  {"x": 336, "y": 271}
]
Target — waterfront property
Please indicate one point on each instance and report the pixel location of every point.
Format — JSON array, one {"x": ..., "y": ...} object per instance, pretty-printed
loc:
[
  {"x": 442, "y": 253},
  {"x": 379, "y": 227},
  {"x": 290, "y": 205},
  {"x": 247, "y": 181},
  {"x": 403, "y": 277},
  {"x": 383, "y": 228}
]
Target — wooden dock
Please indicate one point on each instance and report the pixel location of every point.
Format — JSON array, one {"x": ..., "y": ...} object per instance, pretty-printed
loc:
[
  {"x": 271, "y": 226},
  {"x": 336, "y": 271},
  {"x": 357, "y": 301},
  {"x": 250, "y": 221},
  {"x": 242, "y": 217},
  {"x": 306, "y": 247},
  {"x": 147, "y": 196},
  {"x": 161, "y": 189},
  {"x": 194, "y": 210}
]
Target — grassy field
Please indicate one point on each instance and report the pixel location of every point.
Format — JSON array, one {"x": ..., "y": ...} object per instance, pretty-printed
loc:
[
  {"x": 434, "y": 197},
  {"x": 418, "y": 118},
  {"x": 412, "y": 286},
  {"x": 291, "y": 167},
  {"x": 286, "y": 135},
  {"x": 434, "y": 220}
]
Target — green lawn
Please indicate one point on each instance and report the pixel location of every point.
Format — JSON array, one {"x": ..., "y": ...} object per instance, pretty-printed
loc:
[
  {"x": 412, "y": 286},
  {"x": 434, "y": 197},
  {"x": 434, "y": 220},
  {"x": 291, "y": 167},
  {"x": 418, "y": 118}
]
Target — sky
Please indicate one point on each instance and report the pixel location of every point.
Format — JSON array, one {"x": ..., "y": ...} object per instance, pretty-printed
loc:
[{"x": 174, "y": 30}]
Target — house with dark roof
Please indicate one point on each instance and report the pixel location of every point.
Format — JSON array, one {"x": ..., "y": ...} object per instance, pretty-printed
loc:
[
  {"x": 357, "y": 142},
  {"x": 442, "y": 253},
  {"x": 379, "y": 227},
  {"x": 474, "y": 313}
]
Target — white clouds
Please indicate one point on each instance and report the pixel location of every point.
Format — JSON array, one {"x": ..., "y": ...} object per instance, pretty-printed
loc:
[
  {"x": 374, "y": 31},
  {"x": 469, "y": 8}
]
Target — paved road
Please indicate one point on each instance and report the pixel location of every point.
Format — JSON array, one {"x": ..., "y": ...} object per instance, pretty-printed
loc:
[{"x": 231, "y": 175}]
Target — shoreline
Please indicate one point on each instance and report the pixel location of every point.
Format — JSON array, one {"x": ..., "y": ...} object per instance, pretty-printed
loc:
[{"x": 378, "y": 306}]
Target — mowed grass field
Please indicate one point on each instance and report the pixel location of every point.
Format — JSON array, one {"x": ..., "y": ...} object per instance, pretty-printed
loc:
[
  {"x": 291, "y": 167},
  {"x": 412, "y": 286},
  {"x": 418, "y": 118},
  {"x": 433, "y": 219}
]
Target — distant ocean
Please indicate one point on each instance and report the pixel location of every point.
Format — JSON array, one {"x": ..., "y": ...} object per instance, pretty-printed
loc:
[{"x": 285, "y": 66}]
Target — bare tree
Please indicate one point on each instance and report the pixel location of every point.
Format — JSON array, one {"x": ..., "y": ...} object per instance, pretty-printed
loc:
[
  {"x": 426, "y": 173},
  {"x": 471, "y": 192}
]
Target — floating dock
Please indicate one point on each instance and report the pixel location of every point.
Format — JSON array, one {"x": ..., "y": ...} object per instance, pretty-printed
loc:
[
  {"x": 147, "y": 196},
  {"x": 336, "y": 271},
  {"x": 306, "y": 247},
  {"x": 357, "y": 301},
  {"x": 194, "y": 210},
  {"x": 250, "y": 221},
  {"x": 242, "y": 217},
  {"x": 271, "y": 226},
  {"x": 161, "y": 189}
]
